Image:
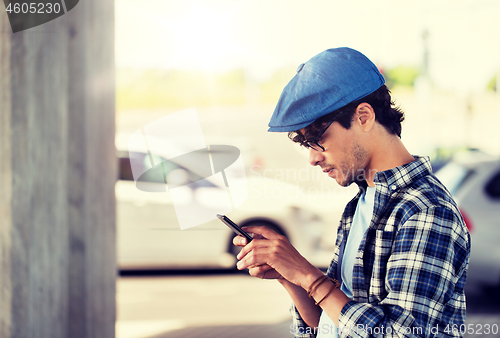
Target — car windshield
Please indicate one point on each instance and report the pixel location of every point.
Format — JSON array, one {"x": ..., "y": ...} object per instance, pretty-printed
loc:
[{"x": 453, "y": 176}]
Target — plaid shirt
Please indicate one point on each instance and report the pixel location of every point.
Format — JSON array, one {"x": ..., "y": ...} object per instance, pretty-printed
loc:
[{"x": 410, "y": 270}]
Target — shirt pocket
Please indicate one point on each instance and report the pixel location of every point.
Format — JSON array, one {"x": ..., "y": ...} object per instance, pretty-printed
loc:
[{"x": 381, "y": 252}]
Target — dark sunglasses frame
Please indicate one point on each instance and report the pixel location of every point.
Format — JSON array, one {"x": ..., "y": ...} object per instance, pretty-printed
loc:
[{"x": 314, "y": 144}]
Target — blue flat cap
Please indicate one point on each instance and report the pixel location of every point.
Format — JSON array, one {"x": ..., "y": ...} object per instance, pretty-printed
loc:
[{"x": 327, "y": 82}]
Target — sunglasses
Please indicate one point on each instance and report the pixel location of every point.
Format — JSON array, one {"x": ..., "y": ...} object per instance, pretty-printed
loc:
[{"x": 314, "y": 144}]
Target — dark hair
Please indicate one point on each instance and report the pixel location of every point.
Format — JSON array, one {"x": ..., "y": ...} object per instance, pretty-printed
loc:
[{"x": 386, "y": 114}]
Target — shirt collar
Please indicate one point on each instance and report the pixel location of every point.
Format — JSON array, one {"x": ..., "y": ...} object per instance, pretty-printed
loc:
[{"x": 400, "y": 177}]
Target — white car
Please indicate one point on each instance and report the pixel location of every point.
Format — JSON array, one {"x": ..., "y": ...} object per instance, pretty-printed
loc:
[
  {"x": 149, "y": 235},
  {"x": 474, "y": 181}
]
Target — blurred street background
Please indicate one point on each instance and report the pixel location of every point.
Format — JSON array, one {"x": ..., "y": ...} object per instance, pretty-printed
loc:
[
  {"x": 230, "y": 60},
  {"x": 220, "y": 304}
]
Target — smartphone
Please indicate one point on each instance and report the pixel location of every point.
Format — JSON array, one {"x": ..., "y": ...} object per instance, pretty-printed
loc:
[{"x": 234, "y": 227}]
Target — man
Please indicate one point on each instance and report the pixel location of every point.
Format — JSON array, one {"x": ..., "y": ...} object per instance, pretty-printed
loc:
[{"x": 402, "y": 249}]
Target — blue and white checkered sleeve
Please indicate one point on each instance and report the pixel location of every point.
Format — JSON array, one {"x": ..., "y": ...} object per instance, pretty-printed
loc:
[
  {"x": 299, "y": 328},
  {"x": 425, "y": 272}
]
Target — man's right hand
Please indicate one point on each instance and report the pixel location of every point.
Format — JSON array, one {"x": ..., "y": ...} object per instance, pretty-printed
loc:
[
  {"x": 272, "y": 249},
  {"x": 260, "y": 271},
  {"x": 305, "y": 305}
]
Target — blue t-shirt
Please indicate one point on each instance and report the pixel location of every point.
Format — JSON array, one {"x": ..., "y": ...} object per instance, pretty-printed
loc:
[{"x": 360, "y": 223}]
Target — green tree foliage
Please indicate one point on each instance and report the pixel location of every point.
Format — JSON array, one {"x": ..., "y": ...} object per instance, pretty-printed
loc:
[
  {"x": 492, "y": 85},
  {"x": 401, "y": 76}
]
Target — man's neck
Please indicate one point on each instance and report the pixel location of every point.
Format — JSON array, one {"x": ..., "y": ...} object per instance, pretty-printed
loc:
[{"x": 389, "y": 154}]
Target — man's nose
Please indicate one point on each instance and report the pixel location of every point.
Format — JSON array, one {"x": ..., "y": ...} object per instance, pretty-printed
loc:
[{"x": 315, "y": 157}]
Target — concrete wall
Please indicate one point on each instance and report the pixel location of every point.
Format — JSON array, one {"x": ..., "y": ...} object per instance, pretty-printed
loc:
[{"x": 57, "y": 174}]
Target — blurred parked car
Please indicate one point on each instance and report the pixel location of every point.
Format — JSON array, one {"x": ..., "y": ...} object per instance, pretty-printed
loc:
[
  {"x": 149, "y": 235},
  {"x": 473, "y": 179}
]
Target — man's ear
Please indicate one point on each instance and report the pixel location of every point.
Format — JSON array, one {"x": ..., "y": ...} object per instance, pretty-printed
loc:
[{"x": 365, "y": 116}]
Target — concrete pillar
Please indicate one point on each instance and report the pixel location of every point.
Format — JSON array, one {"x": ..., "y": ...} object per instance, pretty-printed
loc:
[{"x": 57, "y": 175}]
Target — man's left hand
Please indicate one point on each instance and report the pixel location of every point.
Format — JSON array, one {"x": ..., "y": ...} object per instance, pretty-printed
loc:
[{"x": 271, "y": 255}]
